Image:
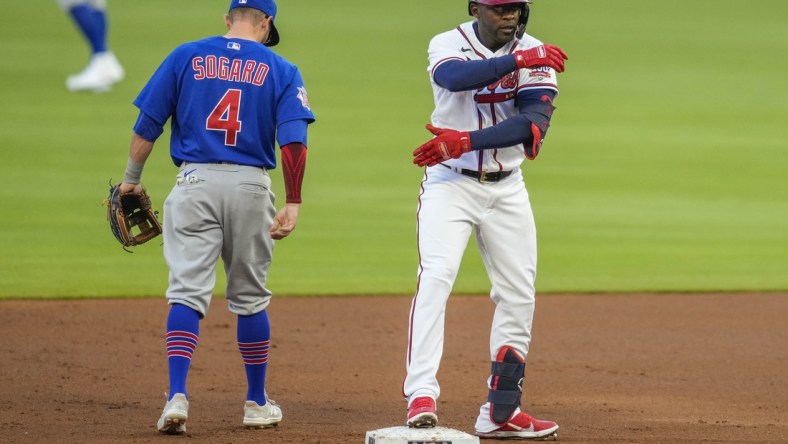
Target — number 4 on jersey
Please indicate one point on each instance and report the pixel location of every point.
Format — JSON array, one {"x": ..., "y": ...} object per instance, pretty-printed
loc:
[{"x": 224, "y": 116}]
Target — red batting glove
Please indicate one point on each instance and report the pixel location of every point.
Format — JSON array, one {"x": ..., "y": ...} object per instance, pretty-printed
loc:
[
  {"x": 449, "y": 144},
  {"x": 542, "y": 55}
]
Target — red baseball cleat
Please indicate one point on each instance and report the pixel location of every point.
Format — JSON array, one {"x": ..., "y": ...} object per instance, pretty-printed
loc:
[
  {"x": 522, "y": 425},
  {"x": 421, "y": 413}
]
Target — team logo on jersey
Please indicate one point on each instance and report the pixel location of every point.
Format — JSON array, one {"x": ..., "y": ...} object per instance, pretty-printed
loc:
[
  {"x": 508, "y": 81},
  {"x": 501, "y": 91},
  {"x": 303, "y": 97},
  {"x": 234, "y": 45}
]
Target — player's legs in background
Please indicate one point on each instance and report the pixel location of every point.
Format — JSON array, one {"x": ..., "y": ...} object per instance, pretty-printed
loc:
[
  {"x": 91, "y": 19},
  {"x": 103, "y": 70},
  {"x": 444, "y": 221}
]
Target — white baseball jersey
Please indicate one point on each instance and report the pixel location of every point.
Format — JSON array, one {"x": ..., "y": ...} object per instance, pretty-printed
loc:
[
  {"x": 452, "y": 206},
  {"x": 484, "y": 107}
]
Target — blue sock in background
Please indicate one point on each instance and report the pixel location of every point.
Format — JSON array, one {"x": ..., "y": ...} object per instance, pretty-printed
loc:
[
  {"x": 254, "y": 335},
  {"x": 93, "y": 23},
  {"x": 183, "y": 332}
]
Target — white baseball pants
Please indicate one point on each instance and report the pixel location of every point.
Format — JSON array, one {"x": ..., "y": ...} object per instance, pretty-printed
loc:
[{"x": 450, "y": 206}]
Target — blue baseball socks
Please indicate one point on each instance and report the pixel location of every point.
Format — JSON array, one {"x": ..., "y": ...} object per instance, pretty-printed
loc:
[
  {"x": 254, "y": 335},
  {"x": 183, "y": 332},
  {"x": 93, "y": 24}
]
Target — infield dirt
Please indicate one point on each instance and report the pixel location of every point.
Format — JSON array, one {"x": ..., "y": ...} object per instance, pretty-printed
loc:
[{"x": 634, "y": 368}]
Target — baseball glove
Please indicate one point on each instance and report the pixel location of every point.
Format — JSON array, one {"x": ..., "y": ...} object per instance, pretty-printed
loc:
[{"x": 130, "y": 213}]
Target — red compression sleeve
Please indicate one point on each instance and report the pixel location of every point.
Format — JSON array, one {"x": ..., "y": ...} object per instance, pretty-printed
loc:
[{"x": 293, "y": 166}]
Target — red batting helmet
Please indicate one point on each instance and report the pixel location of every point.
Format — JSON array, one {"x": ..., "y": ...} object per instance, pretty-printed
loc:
[{"x": 523, "y": 13}]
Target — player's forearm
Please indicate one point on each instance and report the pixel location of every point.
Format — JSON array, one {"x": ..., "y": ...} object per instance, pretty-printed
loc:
[
  {"x": 536, "y": 108},
  {"x": 293, "y": 168},
  {"x": 139, "y": 150},
  {"x": 512, "y": 131},
  {"x": 456, "y": 75}
]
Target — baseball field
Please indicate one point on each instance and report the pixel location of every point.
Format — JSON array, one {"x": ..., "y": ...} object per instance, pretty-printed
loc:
[{"x": 660, "y": 197}]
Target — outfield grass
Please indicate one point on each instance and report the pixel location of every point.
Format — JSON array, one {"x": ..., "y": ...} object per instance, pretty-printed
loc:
[{"x": 665, "y": 167}]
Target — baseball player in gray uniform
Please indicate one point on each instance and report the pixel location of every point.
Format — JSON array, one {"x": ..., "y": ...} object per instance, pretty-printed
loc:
[
  {"x": 230, "y": 98},
  {"x": 494, "y": 87}
]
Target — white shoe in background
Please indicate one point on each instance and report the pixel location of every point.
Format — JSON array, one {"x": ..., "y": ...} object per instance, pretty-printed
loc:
[{"x": 102, "y": 72}]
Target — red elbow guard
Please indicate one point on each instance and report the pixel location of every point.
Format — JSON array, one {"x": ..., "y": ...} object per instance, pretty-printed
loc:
[{"x": 532, "y": 151}]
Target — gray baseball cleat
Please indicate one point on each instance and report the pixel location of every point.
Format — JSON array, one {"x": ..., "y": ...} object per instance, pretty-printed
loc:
[
  {"x": 173, "y": 417},
  {"x": 257, "y": 416}
]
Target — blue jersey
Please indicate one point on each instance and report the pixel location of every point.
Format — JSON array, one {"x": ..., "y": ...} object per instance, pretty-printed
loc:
[{"x": 229, "y": 100}]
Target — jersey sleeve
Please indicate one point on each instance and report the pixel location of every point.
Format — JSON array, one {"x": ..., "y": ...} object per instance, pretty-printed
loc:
[
  {"x": 294, "y": 103},
  {"x": 293, "y": 131},
  {"x": 442, "y": 48},
  {"x": 536, "y": 78},
  {"x": 159, "y": 98}
]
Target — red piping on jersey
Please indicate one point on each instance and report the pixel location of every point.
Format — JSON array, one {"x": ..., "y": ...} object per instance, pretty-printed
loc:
[
  {"x": 495, "y": 151},
  {"x": 495, "y": 158},
  {"x": 418, "y": 280},
  {"x": 481, "y": 126},
  {"x": 469, "y": 42}
]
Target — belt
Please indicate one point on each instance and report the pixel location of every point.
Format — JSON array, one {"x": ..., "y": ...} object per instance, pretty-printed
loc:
[
  {"x": 481, "y": 176},
  {"x": 184, "y": 163}
]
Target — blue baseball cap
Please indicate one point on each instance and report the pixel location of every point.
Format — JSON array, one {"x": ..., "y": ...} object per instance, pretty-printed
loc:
[{"x": 268, "y": 7}]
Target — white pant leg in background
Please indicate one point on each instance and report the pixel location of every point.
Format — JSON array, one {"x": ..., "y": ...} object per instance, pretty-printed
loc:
[{"x": 68, "y": 4}]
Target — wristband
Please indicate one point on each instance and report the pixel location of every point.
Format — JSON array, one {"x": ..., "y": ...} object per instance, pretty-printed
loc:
[{"x": 133, "y": 172}]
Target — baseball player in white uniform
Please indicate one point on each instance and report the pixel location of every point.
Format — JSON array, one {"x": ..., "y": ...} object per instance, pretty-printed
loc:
[{"x": 493, "y": 88}]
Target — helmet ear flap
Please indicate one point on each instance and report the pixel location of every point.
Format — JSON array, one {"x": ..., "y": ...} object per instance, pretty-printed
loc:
[
  {"x": 523, "y": 20},
  {"x": 524, "y": 12}
]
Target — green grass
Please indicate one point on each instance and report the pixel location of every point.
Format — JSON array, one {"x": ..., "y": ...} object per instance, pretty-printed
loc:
[{"x": 664, "y": 170}]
